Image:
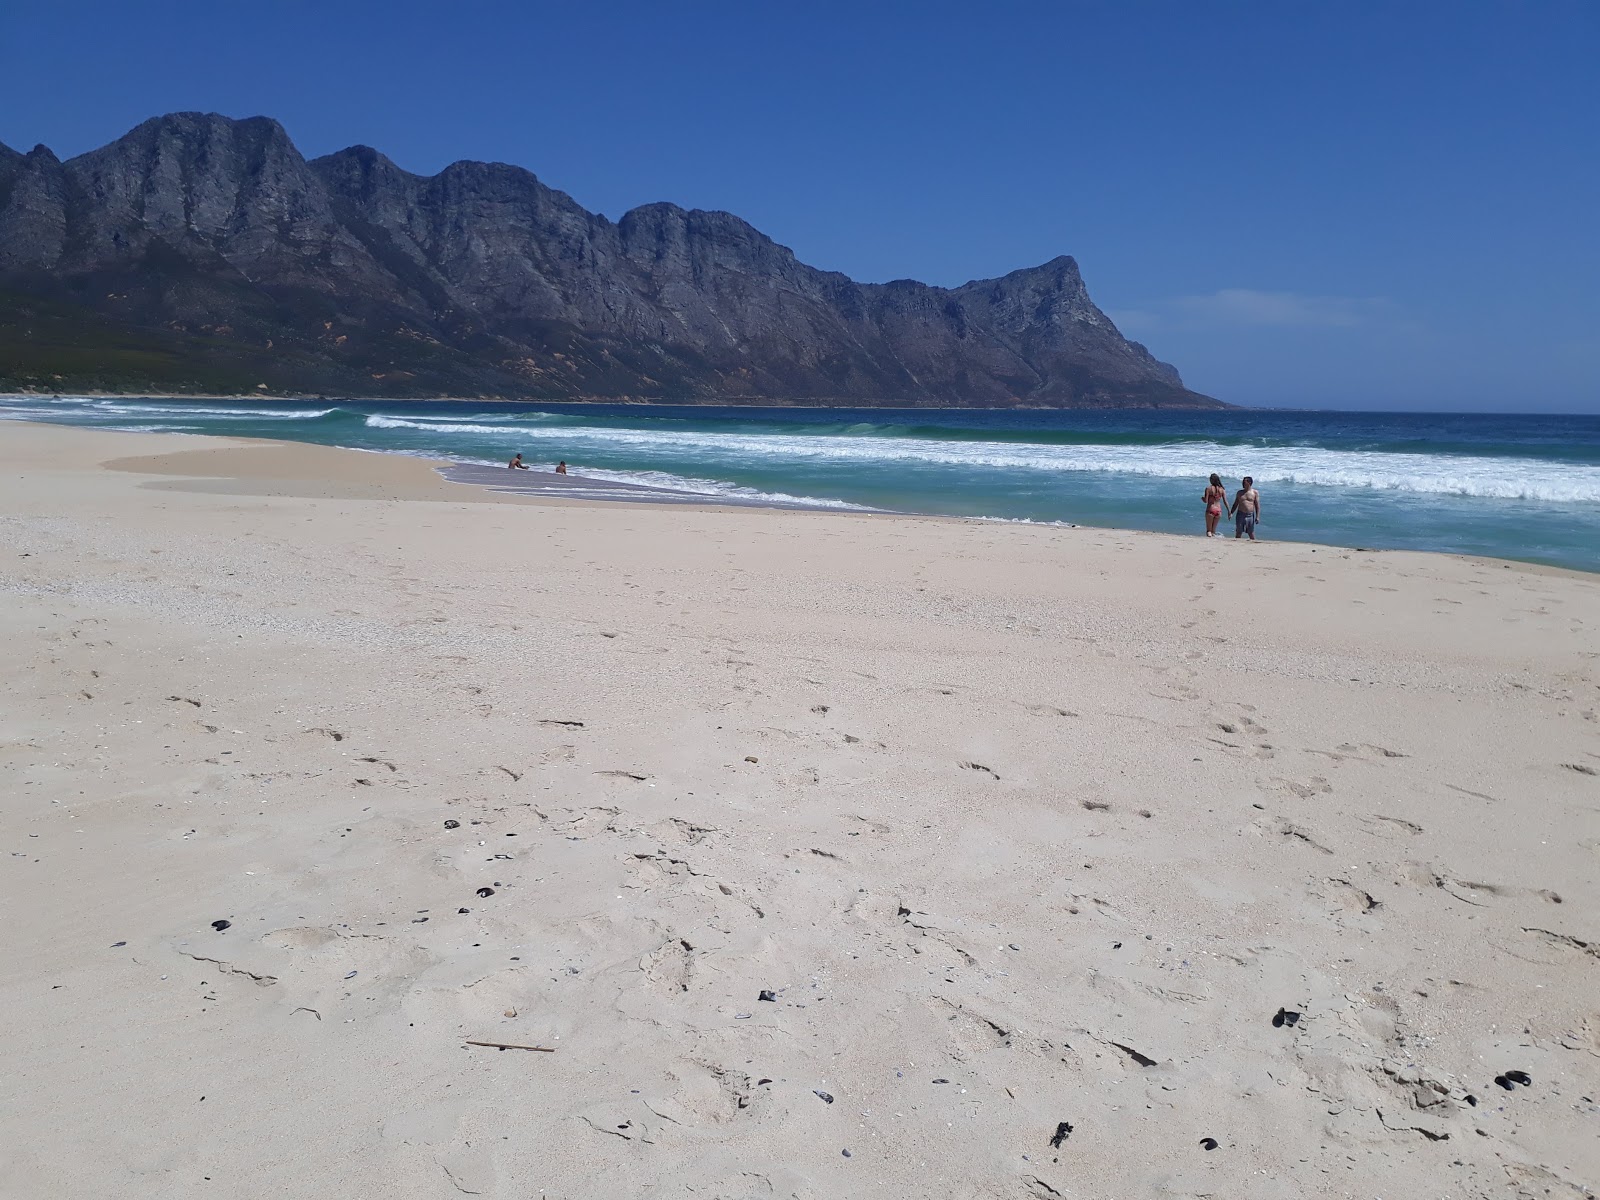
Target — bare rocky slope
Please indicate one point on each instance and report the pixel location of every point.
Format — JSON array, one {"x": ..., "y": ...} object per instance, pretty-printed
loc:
[{"x": 200, "y": 253}]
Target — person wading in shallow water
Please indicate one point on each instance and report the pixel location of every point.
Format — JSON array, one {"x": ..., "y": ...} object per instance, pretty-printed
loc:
[
  {"x": 1215, "y": 497},
  {"x": 1246, "y": 509},
  {"x": 561, "y": 467},
  {"x": 516, "y": 464}
]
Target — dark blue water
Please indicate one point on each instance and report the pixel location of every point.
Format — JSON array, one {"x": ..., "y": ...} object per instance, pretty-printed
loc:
[{"x": 1523, "y": 487}]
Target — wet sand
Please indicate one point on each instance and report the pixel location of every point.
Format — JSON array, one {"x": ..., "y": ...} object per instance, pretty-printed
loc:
[
  {"x": 1029, "y": 833},
  {"x": 535, "y": 482}
]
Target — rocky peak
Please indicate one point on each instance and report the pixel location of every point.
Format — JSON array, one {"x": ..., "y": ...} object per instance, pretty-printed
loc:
[
  {"x": 1052, "y": 293},
  {"x": 204, "y": 186},
  {"x": 360, "y": 170},
  {"x": 379, "y": 191},
  {"x": 33, "y": 210},
  {"x": 11, "y": 162}
]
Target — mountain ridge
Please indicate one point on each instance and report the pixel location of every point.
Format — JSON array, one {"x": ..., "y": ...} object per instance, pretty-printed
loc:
[{"x": 199, "y": 249}]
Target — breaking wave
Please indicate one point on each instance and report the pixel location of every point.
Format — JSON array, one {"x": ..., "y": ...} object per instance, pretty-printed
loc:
[
  {"x": 714, "y": 489},
  {"x": 474, "y": 423},
  {"x": 1504, "y": 478},
  {"x": 203, "y": 412},
  {"x": 646, "y": 446}
]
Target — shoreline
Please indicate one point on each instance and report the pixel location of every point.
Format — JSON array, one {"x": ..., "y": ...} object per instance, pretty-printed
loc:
[
  {"x": 610, "y": 492},
  {"x": 535, "y": 482},
  {"x": 787, "y": 834}
]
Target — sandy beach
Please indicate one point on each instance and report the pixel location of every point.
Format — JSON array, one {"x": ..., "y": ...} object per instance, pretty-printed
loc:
[{"x": 828, "y": 855}]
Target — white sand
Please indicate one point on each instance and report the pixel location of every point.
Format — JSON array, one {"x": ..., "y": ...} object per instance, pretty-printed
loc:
[{"x": 1020, "y": 826}]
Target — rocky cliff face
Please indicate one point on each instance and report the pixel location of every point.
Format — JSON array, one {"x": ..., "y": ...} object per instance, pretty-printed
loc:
[{"x": 199, "y": 248}]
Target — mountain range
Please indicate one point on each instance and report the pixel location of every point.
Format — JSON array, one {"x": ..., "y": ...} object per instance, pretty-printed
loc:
[{"x": 204, "y": 254}]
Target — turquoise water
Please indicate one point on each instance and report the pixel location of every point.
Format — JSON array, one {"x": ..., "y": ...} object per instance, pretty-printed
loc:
[{"x": 1521, "y": 487}]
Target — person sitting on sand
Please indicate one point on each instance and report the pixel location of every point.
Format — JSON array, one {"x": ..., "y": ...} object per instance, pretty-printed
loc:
[
  {"x": 561, "y": 467},
  {"x": 516, "y": 464},
  {"x": 1246, "y": 510},
  {"x": 1215, "y": 497}
]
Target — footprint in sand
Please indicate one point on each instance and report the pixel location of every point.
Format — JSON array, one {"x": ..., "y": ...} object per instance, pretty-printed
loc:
[
  {"x": 1048, "y": 710},
  {"x": 1391, "y": 827},
  {"x": 1351, "y": 897},
  {"x": 1315, "y": 786},
  {"x": 659, "y": 867},
  {"x": 321, "y": 956},
  {"x": 1244, "y": 728},
  {"x": 1485, "y": 894},
  {"x": 1548, "y": 947},
  {"x": 1585, "y": 1037},
  {"x": 685, "y": 830},
  {"x": 1419, "y": 875},
  {"x": 670, "y": 967},
  {"x": 1182, "y": 693},
  {"x": 969, "y": 1032},
  {"x": 1362, "y": 752},
  {"x": 871, "y": 825},
  {"x": 583, "y": 823},
  {"x": 1473, "y": 892},
  {"x": 1289, "y": 831}
]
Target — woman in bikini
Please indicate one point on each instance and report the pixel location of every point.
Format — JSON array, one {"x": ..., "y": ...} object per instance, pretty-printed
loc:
[{"x": 1215, "y": 497}]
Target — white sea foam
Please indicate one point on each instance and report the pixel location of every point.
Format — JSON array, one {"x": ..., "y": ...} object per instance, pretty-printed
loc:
[
  {"x": 713, "y": 489},
  {"x": 709, "y": 454},
  {"x": 686, "y": 485},
  {"x": 53, "y": 401},
  {"x": 203, "y": 411},
  {"x": 1437, "y": 474},
  {"x": 79, "y": 408},
  {"x": 14, "y": 412},
  {"x": 379, "y": 421},
  {"x": 468, "y": 423}
]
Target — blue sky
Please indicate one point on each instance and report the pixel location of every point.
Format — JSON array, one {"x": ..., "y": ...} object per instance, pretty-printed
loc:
[{"x": 1342, "y": 205}]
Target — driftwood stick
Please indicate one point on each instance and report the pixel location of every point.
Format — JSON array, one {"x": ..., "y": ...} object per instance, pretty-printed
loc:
[{"x": 511, "y": 1046}]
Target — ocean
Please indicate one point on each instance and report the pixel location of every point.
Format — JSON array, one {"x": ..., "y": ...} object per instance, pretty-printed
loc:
[{"x": 1517, "y": 487}]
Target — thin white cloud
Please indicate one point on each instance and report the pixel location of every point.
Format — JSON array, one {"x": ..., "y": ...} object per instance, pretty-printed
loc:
[{"x": 1253, "y": 308}]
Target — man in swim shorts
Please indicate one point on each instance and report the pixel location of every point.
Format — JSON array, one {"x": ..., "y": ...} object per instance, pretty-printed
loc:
[{"x": 1246, "y": 509}]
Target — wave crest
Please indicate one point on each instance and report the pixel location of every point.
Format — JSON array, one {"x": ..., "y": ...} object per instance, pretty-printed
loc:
[
  {"x": 853, "y": 451},
  {"x": 201, "y": 411},
  {"x": 1430, "y": 474}
]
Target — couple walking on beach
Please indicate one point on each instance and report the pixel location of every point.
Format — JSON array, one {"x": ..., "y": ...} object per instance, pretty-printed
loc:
[{"x": 1245, "y": 507}]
